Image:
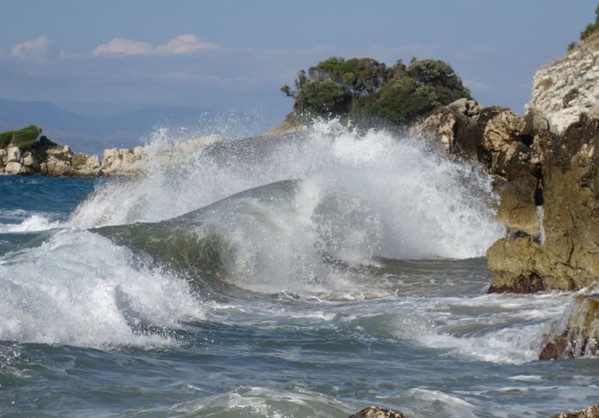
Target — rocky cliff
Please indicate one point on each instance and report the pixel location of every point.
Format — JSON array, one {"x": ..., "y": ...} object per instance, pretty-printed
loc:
[
  {"x": 545, "y": 166},
  {"x": 568, "y": 88}
]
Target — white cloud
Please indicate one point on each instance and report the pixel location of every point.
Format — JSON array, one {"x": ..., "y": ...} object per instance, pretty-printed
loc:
[
  {"x": 33, "y": 49},
  {"x": 184, "y": 44},
  {"x": 121, "y": 46},
  {"x": 181, "y": 45}
]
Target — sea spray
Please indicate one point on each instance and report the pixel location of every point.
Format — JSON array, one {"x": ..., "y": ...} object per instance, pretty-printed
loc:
[
  {"x": 79, "y": 288},
  {"x": 426, "y": 205}
]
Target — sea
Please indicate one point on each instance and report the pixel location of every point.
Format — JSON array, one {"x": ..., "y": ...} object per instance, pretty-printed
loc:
[{"x": 310, "y": 275}]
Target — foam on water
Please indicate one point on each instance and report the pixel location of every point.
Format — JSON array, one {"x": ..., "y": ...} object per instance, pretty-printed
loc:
[
  {"x": 33, "y": 223},
  {"x": 360, "y": 196},
  {"x": 79, "y": 288}
]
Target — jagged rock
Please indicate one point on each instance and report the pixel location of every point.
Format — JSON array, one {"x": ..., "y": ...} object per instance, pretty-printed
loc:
[
  {"x": 568, "y": 260},
  {"x": 13, "y": 155},
  {"x": 127, "y": 161},
  {"x": 2, "y": 159},
  {"x": 62, "y": 162},
  {"x": 494, "y": 137},
  {"x": 578, "y": 335},
  {"x": 31, "y": 161},
  {"x": 590, "y": 412},
  {"x": 518, "y": 208},
  {"x": 502, "y": 130},
  {"x": 13, "y": 167},
  {"x": 376, "y": 412},
  {"x": 455, "y": 127},
  {"x": 568, "y": 88},
  {"x": 122, "y": 161}
]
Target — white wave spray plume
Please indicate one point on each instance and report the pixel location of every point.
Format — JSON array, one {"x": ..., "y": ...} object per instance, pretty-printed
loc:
[{"x": 424, "y": 204}]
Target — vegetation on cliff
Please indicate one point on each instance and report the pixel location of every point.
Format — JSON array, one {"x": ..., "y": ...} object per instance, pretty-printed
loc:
[
  {"x": 25, "y": 139},
  {"x": 371, "y": 93},
  {"x": 592, "y": 28}
]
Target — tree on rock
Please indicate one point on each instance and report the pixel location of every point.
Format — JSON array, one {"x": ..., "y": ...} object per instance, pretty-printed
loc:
[{"x": 370, "y": 93}]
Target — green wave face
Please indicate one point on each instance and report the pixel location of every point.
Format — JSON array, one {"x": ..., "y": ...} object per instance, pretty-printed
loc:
[{"x": 200, "y": 244}]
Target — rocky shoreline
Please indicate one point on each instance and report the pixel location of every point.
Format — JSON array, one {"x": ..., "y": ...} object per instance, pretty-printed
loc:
[
  {"x": 44, "y": 157},
  {"x": 545, "y": 166}
]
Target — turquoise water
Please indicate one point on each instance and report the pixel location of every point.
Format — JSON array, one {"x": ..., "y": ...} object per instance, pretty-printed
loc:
[{"x": 309, "y": 279}]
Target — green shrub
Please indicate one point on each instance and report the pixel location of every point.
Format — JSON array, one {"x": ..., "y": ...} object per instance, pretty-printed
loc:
[
  {"x": 25, "y": 139},
  {"x": 370, "y": 93},
  {"x": 591, "y": 28},
  {"x": 5, "y": 138}
]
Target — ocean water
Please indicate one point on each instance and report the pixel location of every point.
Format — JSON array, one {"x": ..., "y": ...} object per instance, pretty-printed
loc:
[{"x": 304, "y": 277}]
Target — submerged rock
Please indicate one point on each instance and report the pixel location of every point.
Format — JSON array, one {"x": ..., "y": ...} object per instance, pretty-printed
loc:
[
  {"x": 376, "y": 412},
  {"x": 577, "y": 335}
]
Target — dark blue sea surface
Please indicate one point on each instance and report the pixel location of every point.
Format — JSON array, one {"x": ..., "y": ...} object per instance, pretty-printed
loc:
[{"x": 310, "y": 279}]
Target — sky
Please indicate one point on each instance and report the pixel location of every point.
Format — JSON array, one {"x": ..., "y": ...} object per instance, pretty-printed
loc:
[{"x": 89, "y": 55}]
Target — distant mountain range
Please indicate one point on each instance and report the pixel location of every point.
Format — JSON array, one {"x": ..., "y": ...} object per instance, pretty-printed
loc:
[{"x": 94, "y": 134}]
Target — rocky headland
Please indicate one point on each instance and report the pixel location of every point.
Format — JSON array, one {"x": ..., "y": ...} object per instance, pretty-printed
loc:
[
  {"x": 545, "y": 169},
  {"x": 28, "y": 152}
]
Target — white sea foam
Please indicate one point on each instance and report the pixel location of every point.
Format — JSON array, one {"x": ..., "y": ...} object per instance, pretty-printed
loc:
[
  {"x": 33, "y": 223},
  {"x": 79, "y": 288},
  {"x": 361, "y": 195}
]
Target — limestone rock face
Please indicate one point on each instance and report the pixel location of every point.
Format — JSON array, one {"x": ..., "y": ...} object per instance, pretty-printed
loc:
[
  {"x": 62, "y": 162},
  {"x": 568, "y": 259},
  {"x": 568, "y": 88},
  {"x": 13, "y": 168},
  {"x": 495, "y": 137},
  {"x": 376, "y": 412},
  {"x": 13, "y": 155},
  {"x": 122, "y": 161}
]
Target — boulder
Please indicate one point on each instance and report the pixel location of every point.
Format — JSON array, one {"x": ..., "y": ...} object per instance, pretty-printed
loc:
[
  {"x": 85, "y": 165},
  {"x": 123, "y": 161},
  {"x": 13, "y": 155},
  {"x": 577, "y": 335},
  {"x": 454, "y": 127},
  {"x": 376, "y": 412},
  {"x": 590, "y": 412},
  {"x": 31, "y": 161},
  {"x": 14, "y": 168}
]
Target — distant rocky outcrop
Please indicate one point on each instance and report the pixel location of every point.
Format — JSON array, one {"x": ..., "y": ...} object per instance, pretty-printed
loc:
[
  {"x": 130, "y": 161},
  {"x": 27, "y": 152}
]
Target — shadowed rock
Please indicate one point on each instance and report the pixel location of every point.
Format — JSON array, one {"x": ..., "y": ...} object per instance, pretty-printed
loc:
[{"x": 376, "y": 412}]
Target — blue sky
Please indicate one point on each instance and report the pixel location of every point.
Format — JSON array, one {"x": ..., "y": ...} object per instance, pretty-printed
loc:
[{"x": 235, "y": 54}]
